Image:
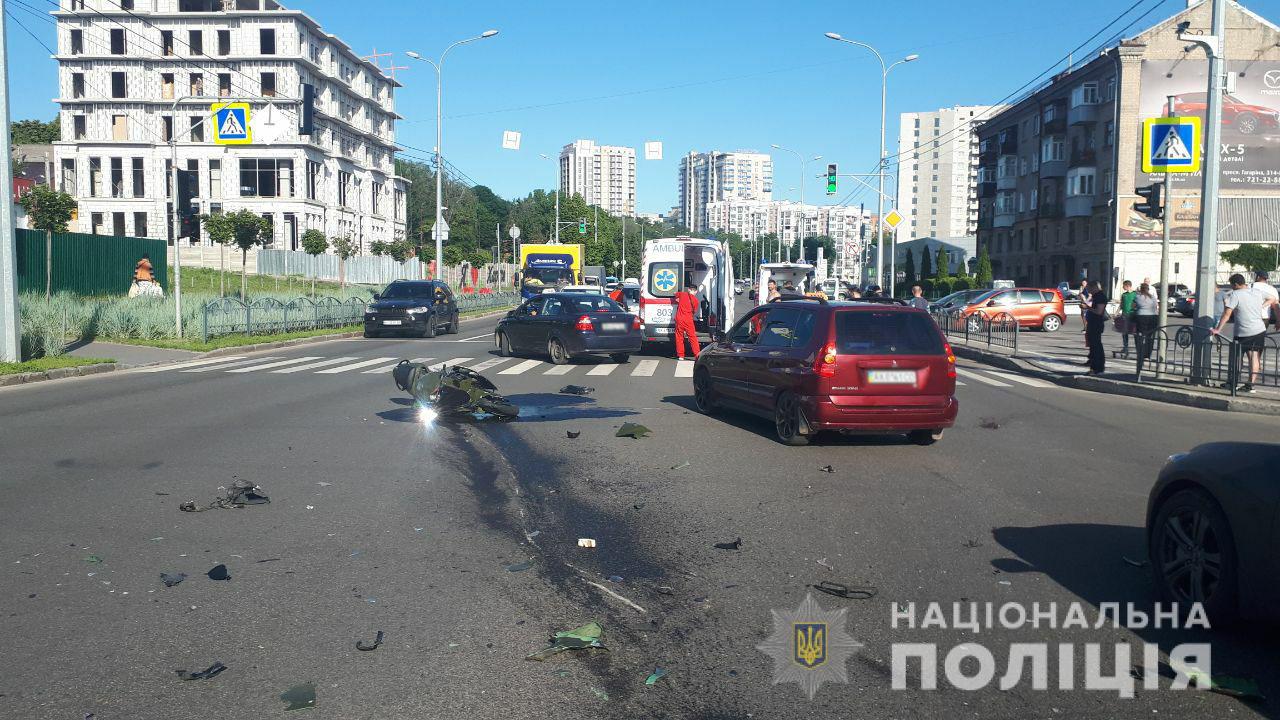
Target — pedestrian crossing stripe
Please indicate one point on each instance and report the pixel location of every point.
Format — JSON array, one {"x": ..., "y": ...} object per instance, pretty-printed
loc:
[
  {"x": 231, "y": 123},
  {"x": 355, "y": 366},
  {"x": 228, "y": 365},
  {"x": 1171, "y": 144},
  {"x": 189, "y": 363},
  {"x": 268, "y": 366}
]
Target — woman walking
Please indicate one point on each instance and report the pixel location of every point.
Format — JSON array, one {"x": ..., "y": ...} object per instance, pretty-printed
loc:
[
  {"x": 1146, "y": 308},
  {"x": 1095, "y": 324}
]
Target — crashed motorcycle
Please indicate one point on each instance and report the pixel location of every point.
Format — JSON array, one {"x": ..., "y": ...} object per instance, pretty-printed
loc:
[{"x": 452, "y": 392}]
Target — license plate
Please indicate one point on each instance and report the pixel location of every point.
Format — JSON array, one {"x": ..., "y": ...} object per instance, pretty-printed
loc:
[
  {"x": 662, "y": 331},
  {"x": 891, "y": 377},
  {"x": 392, "y": 322},
  {"x": 614, "y": 327}
]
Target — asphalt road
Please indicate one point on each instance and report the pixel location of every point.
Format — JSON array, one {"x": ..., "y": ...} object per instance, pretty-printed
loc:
[{"x": 378, "y": 523}]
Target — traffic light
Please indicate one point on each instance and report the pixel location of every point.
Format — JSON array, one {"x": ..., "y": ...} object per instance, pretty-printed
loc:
[
  {"x": 582, "y": 226},
  {"x": 831, "y": 179},
  {"x": 306, "y": 118},
  {"x": 1152, "y": 207},
  {"x": 188, "y": 184}
]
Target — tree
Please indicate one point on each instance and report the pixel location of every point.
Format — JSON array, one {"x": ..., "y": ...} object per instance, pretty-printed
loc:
[
  {"x": 35, "y": 132},
  {"x": 811, "y": 244},
  {"x": 1251, "y": 256},
  {"x": 398, "y": 250},
  {"x": 314, "y": 243},
  {"x": 909, "y": 267},
  {"x": 944, "y": 265},
  {"x": 982, "y": 276},
  {"x": 344, "y": 248},
  {"x": 50, "y": 211},
  {"x": 926, "y": 263},
  {"x": 245, "y": 230}
]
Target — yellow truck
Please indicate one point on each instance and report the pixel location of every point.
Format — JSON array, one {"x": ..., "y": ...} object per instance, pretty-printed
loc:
[{"x": 549, "y": 266}]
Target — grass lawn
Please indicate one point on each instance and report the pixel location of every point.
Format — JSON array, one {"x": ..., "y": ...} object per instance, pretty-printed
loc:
[
  {"x": 49, "y": 363},
  {"x": 205, "y": 280}
]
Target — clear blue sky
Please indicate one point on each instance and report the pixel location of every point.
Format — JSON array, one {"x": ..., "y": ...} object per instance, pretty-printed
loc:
[{"x": 701, "y": 75}]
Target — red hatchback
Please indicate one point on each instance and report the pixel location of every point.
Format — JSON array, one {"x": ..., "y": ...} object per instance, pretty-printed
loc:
[{"x": 811, "y": 366}]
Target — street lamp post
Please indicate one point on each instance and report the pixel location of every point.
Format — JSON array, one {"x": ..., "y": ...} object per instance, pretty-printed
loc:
[
  {"x": 438, "y": 228},
  {"x": 803, "y": 161},
  {"x": 884, "y": 92}
]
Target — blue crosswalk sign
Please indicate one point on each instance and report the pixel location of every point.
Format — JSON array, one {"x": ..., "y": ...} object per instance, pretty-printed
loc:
[
  {"x": 231, "y": 123},
  {"x": 1171, "y": 144}
]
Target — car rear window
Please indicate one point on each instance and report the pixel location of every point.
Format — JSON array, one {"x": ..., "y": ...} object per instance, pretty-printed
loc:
[
  {"x": 870, "y": 332},
  {"x": 597, "y": 303}
]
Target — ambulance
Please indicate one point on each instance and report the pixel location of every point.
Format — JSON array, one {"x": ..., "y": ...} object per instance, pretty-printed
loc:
[{"x": 667, "y": 264}]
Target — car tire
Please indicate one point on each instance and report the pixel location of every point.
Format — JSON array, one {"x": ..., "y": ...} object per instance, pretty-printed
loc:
[
  {"x": 453, "y": 326},
  {"x": 620, "y": 358},
  {"x": 924, "y": 437},
  {"x": 704, "y": 394},
  {"x": 504, "y": 344},
  {"x": 1246, "y": 124},
  {"x": 1188, "y": 529},
  {"x": 557, "y": 352},
  {"x": 1051, "y": 323},
  {"x": 430, "y": 330},
  {"x": 370, "y": 334},
  {"x": 786, "y": 420}
]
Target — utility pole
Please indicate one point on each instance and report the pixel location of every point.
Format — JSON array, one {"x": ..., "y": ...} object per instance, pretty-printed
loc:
[
  {"x": 1163, "y": 311},
  {"x": 624, "y": 248},
  {"x": 10, "y": 330}
]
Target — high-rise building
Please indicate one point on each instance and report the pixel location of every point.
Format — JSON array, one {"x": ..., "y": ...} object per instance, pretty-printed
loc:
[
  {"x": 604, "y": 175},
  {"x": 134, "y": 75},
  {"x": 790, "y": 223},
  {"x": 719, "y": 176},
  {"x": 938, "y": 171}
]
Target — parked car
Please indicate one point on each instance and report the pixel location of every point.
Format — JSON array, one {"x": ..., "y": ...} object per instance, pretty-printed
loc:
[
  {"x": 955, "y": 300},
  {"x": 1240, "y": 116},
  {"x": 811, "y": 366},
  {"x": 421, "y": 307},
  {"x": 1068, "y": 292},
  {"x": 1031, "y": 307},
  {"x": 1185, "y": 306},
  {"x": 1213, "y": 524},
  {"x": 568, "y": 325}
]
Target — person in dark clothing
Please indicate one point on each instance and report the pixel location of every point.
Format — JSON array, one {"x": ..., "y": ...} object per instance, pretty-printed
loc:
[{"x": 1095, "y": 324}]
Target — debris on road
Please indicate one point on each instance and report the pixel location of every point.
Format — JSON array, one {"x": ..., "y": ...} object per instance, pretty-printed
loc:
[
  {"x": 205, "y": 674},
  {"x": 93, "y": 560},
  {"x": 633, "y": 430},
  {"x": 823, "y": 562},
  {"x": 572, "y": 434},
  {"x": 300, "y": 697},
  {"x": 366, "y": 647},
  {"x": 615, "y": 578},
  {"x": 1241, "y": 688},
  {"x": 849, "y": 592},
  {"x": 219, "y": 572},
  {"x": 586, "y": 542},
  {"x": 665, "y": 590},
  {"x": 827, "y": 469},
  {"x": 576, "y": 390},
  {"x": 971, "y": 543},
  {"x": 171, "y": 580},
  {"x": 735, "y": 545},
  {"x": 519, "y": 567},
  {"x": 600, "y": 693},
  {"x": 657, "y": 674},
  {"x": 587, "y": 636},
  {"x": 989, "y": 424},
  {"x": 681, "y": 466},
  {"x": 241, "y": 493},
  {"x": 1135, "y": 563}
]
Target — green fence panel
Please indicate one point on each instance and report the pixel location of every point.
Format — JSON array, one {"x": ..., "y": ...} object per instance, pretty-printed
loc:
[{"x": 87, "y": 264}]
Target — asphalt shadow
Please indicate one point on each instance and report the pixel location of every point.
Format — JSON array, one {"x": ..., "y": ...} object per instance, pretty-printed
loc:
[
  {"x": 548, "y": 407},
  {"x": 747, "y": 422}
]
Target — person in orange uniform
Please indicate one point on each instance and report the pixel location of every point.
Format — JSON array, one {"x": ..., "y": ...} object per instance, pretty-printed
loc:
[
  {"x": 686, "y": 308},
  {"x": 142, "y": 271}
]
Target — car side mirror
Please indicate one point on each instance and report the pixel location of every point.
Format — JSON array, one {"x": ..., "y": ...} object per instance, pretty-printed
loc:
[
  {"x": 718, "y": 336},
  {"x": 377, "y": 296},
  {"x": 991, "y": 303}
]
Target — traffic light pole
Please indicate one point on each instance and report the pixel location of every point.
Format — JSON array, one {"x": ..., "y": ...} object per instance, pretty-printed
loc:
[
  {"x": 1163, "y": 312},
  {"x": 10, "y": 330}
]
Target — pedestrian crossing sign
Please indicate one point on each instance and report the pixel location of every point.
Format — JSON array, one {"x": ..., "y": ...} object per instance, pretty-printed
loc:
[
  {"x": 1171, "y": 144},
  {"x": 231, "y": 123}
]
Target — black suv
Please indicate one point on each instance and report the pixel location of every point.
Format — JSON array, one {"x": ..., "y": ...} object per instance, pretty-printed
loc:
[{"x": 421, "y": 307}]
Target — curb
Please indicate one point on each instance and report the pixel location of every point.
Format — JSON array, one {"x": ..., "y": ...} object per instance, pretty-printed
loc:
[
  {"x": 58, "y": 374},
  {"x": 1116, "y": 387}
]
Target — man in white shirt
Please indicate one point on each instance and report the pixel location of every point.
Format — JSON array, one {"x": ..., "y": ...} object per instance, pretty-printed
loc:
[
  {"x": 1262, "y": 283},
  {"x": 1251, "y": 309}
]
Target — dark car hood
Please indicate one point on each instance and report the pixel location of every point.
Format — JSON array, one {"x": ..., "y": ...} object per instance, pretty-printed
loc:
[{"x": 401, "y": 303}]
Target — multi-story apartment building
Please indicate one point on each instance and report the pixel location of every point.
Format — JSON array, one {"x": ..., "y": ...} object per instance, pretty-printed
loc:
[
  {"x": 135, "y": 74},
  {"x": 791, "y": 222},
  {"x": 938, "y": 171},
  {"x": 604, "y": 175},
  {"x": 1058, "y": 169},
  {"x": 718, "y": 176}
]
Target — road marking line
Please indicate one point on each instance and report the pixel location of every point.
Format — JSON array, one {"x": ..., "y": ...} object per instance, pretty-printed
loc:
[
  {"x": 1033, "y": 382},
  {"x": 189, "y": 363},
  {"x": 477, "y": 337},
  {"x": 312, "y": 366},
  {"x": 645, "y": 368},
  {"x": 522, "y": 367},
  {"x": 684, "y": 368},
  {"x": 238, "y": 363},
  {"x": 960, "y": 383},
  {"x": 560, "y": 370},
  {"x": 603, "y": 369},
  {"x": 389, "y": 368},
  {"x": 480, "y": 367},
  {"x": 456, "y": 361},
  {"x": 354, "y": 366},
  {"x": 281, "y": 363},
  {"x": 985, "y": 380}
]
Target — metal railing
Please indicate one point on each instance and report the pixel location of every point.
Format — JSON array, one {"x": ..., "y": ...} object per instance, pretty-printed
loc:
[
  {"x": 227, "y": 316},
  {"x": 999, "y": 330},
  {"x": 1173, "y": 351},
  {"x": 472, "y": 302}
]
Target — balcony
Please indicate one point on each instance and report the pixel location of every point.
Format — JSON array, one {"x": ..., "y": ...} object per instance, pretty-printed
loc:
[
  {"x": 1083, "y": 114},
  {"x": 1009, "y": 146},
  {"x": 1079, "y": 206},
  {"x": 1050, "y": 211},
  {"x": 1058, "y": 125},
  {"x": 1053, "y": 168},
  {"x": 1083, "y": 158},
  {"x": 986, "y": 190},
  {"x": 988, "y": 155},
  {"x": 1004, "y": 219},
  {"x": 1008, "y": 182}
]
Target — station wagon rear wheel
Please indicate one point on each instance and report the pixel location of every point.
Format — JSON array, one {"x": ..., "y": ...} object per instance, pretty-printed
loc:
[{"x": 786, "y": 420}]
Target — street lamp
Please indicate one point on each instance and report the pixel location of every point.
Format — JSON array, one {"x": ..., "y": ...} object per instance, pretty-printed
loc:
[
  {"x": 556, "y": 232},
  {"x": 802, "y": 160},
  {"x": 884, "y": 91},
  {"x": 438, "y": 229}
]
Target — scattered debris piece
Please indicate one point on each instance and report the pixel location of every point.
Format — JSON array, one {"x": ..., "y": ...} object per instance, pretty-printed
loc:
[
  {"x": 1004, "y": 582},
  {"x": 638, "y": 506},
  {"x": 171, "y": 580},
  {"x": 849, "y": 592},
  {"x": 971, "y": 543},
  {"x": 657, "y": 674},
  {"x": 823, "y": 562},
  {"x": 366, "y": 647},
  {"x": 205, "y": 674},
  {"x": 827, "y": 469},
  {"x": 324, "y": 484},
  {"x": 587, "y": 636},
  {"x": 665, "y": 590},
  {"x": 268, "y": 560},
  {"x": 633, "y": 430},
  {"x": 1135, "y": 563},
  {"x": 682, "y": 465},
  {"x": 241, "y": 493},
  {"x": 615, "y": 578},
  {"x": 586, "y": 542},
  {"x": 300, "y": 697},
  {"x": 576, "y": 390},
  {"x": 735, "y": 545},
  {"x": 519, "y": 567},
  {"x": 1241, "y": 688},
  {"x": 93, "y": 560},
  {"x": 600, "y": 693},
  {"x": 989, "y": 424},
  {"x": 572, "y": 434},
  {"x": 561, "y": 673},
  {"x": 219, "y": 572}
]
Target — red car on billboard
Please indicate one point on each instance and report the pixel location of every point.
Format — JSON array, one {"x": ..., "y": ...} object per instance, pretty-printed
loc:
[{"x": 1238, "y": 115}]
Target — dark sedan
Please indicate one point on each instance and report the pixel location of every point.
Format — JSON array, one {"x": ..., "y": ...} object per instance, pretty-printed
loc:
[
  {"x": 1213, "y": 526},
  {"x": 567, "y": 325}
]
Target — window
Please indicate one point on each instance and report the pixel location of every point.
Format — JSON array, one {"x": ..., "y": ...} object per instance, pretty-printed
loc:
[
  {"x": 224, "y": 84},
  {"x": 117, "y": 225},
  {"x": 197, "y": 128},
  {"x": 166, "y": 128},
  {"x": 224, "y": 42},
  {"x": 139, "y": 178},
  {"x": 1109, "y": 89},
  {"x": 778, "y": 328},
  {"x": 1052, "y": 149},
  {"x": 77, "y": 42},
  {"x": 1086, "y": 94},
  {"x": 1109, "y": 133},
  {"x": 1034, "y": 199},
  {"x": 1108, "y": 182},
  {"x": 344, "y": 181},
  {"x": 117, "y": 85},
  {"x": 377, "y": 197},
  {"x": 267, "y": 41},
  {"x": 95, "y": 177},
  {"x": 215, "y": 178},
  {"x": 119, "y": 127},
  {"x": 1080, "y": 182},
  {"x": 868, "y": 332},
  {"x": 98, "y": 223},
  {"x": 266, "y": 178},
  {"x": 126, "y": 4},
  {"x": 268, "y": 84},
  {"x": 139, "y": 224},
  {"x": 1050, "y": 113},
  {"x": 78, "y": 123},
  {"x": 313, "y": 179},
  {"x": 195, "y": 41},
  {"x": 77, "y": 85},
  {"x": 166, "y": 86},
  {"x": 166, "y": 42},
  {"x": 69, "y": 177},
  {"x": 197, "y": 84},
  {"x": 117, "y": 177},
  {"x": 117, "y": 42}
]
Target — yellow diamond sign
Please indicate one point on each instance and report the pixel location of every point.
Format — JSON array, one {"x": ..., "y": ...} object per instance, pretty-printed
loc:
[{"x": 893, "y": 219}]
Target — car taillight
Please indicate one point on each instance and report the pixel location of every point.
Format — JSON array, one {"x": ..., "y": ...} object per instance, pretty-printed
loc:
[
  {"x": 584, "y": 324},
  {"x": 825, "y": 364},
  {"x": 951, "y": 360},
  {"x": 636, "y": 324},
  {"x": 713, "y": 320}
]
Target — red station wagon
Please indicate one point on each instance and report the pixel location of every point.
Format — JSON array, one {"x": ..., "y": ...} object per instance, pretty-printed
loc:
[{"x": 813, "y": 365}]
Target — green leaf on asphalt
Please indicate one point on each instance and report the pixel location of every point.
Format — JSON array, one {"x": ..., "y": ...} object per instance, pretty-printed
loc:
[
  {"x": 94, "y": 559},
  {"x": 657, "y": 674},
  {"x": 300, "y": 697},
  {"x": 633, "y": 430},
  {"x": 587, "y": 636}
]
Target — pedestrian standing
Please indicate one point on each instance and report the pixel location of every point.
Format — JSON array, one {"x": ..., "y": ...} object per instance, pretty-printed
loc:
[
  {"x": 1095, "y": 324},
  {"x": 1084, "y": 305},
  {"x": 1146, "y": 313},
  {"x": 1250, "y": 308},
  {"x": 1126, "y": 322},
  {"x": 686, "y": 308},
  {"x": 1262, "y": 283},
  {"x": 917, "y": 298}
]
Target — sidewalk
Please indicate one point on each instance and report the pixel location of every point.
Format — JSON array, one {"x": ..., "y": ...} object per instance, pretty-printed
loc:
[{"x": 130, "y": 355}]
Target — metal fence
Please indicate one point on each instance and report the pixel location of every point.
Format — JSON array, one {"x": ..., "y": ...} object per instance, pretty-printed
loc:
[
  {"x": 373, "y": 269},
  {"x": 999, "y": 330},
  {"x": 1174, "y": 351},
  {"x": 472, "y": 302},
  {"x": 84, "y": 264},
  {"x": 227, "y": 316}
]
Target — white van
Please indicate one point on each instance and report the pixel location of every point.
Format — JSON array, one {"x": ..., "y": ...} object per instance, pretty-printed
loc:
[
  {"x": 800, "y": 275},
  {"x": 667, "y": 265}
]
